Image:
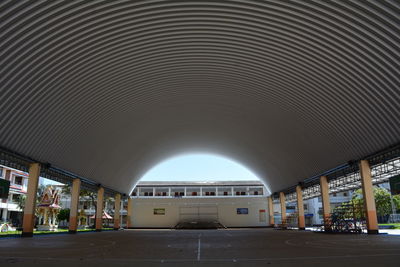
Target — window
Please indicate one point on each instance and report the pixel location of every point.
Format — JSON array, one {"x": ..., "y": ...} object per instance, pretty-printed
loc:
[
  {"x": 146, "y": 194},
  {"x": 164, "y": 194},
  {"x": 345, "y": 194},
  {"x": 212, "y": 193},
  {"x": 150, "y": 194},
  {"x": 334, "y": 194},
  {"x": 18, "y": 180},
  {"x": 194, "y": 193},
  {"x": 1, "y": 172},
  {"x": 15, "y": 198},
  {"x": 177, "y": 194},
  {"x": 207, "y": 193},
  {"x": 134, "y": 194},
  {"x": 255, "y": 193},
  {"x": 238, "y": 193},
  {"x": 181, "y": 193},
  {"x": 225, "y": 193},
  {"x": 243, "y": 193}
]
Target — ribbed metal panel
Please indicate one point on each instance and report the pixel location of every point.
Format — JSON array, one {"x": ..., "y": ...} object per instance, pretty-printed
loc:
[{"x": 107, "y": 89}]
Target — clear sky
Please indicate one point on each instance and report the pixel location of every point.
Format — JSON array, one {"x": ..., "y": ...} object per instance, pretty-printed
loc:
[{"x": 198, "y": 167}]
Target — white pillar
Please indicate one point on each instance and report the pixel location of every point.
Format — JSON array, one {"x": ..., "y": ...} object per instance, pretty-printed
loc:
[
  {"x": 30, "y": 202},
  {"x": 99, "y": 209},
  {"x": 73, "y": 214},
  {"x": 4, "y": 216},
  {"x": 326, "y": 206},
  {"x": 117, "y": 208},
  {"x": 369, "y": 198}
]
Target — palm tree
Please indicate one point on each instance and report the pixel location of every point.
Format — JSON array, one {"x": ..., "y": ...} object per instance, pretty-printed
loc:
[{"x": 21, "y": 201}]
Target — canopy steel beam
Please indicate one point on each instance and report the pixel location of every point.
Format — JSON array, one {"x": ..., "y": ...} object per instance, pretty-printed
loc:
[
  {"x": 20, "y": 162},
  {"x": 384, "y": 164}
]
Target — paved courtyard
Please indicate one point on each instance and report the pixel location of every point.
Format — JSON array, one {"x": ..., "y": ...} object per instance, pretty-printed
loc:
[{"x": 237, "y": 247}]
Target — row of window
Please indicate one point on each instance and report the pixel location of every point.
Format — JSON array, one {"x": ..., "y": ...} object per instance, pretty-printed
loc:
[{"x": 207, "y": 193}]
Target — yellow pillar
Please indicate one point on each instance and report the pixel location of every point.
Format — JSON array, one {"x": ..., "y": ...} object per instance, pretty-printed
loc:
[
  {"x": 300, "y": 208},
  {"x": 271, "y": 212},
  {"x": 326, "y": 205},
  {"x": 73, "y": 213},
  {"x": 117, "y": 208},
  {"x": 30, "y": 201},
  {"x": 369, "y": 199},
  {"x": 283, "y": 209},
  {"x": 99, "y": 209},
  {"x": 129, "y": 213}
]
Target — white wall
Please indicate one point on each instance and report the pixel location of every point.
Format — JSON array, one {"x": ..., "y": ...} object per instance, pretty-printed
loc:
[{"x": 143, "y": 208}]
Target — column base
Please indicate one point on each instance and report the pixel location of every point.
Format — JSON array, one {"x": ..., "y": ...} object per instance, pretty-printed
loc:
[
  {"x": 98, "y": 230},
  {"x": 372, "y": 232},
  {"x": 302, "y": 228},
  {"x": 27, "y": 234},
  {"x": 72, "y": 231}
]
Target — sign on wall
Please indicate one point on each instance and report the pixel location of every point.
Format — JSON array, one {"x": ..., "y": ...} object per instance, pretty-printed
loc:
[
  {"x": 242, "y": 211},
  {"x": 4, "y": 188},
  {"x": 159, "y": 212}
]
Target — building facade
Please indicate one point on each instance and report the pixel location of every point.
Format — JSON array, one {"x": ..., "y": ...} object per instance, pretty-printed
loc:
[
  {"x": 9, "y": 208},
  {"x": 233, "y": 203}
]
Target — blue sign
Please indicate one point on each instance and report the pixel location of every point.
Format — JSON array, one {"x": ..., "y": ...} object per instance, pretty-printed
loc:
[{"x": 242, "y": 211}]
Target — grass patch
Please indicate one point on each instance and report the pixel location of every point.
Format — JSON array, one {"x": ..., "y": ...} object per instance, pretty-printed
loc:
[
  {"x": 59, "y": 231},
  {"x": 396, "y": 225}
]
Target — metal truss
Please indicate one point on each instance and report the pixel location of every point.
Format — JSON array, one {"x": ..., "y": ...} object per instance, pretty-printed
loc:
[
  {"x": 19, "y": 162},
  {"x": 383, "y": 166},
  {"x": 291, "y": 197}
]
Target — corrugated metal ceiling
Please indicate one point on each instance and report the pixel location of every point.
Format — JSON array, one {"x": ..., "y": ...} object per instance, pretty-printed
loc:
[{"x": 107, "y": 89}]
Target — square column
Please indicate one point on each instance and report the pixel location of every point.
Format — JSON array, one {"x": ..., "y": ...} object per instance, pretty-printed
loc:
[
  {"x": 326, "y": 205},
  {"x": 283, "y": 208},
  {"x": 129, "y": 213},
  {"x": 271, "y": 212},
  {"x": 4, "y": 215},
  {"x": 300, "y": 208},
  {"x": 73, "y": 213},
  {"x": 369, "y": 199},
  {"x": 30, "y": 201},
  {"x": 99, "y": 209},
  {"x": 117, "y": 208}
]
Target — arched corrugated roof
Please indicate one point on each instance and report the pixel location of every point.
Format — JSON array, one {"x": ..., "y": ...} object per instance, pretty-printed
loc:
[{"x": 106, "y": 89}]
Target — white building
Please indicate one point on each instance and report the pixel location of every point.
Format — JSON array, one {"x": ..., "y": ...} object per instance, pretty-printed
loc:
[
  {"x": 9, "y": 209},
  {"x": 232, "y": 203}
]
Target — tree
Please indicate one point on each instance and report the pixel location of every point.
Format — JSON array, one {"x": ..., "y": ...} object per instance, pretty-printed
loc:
[
  {"x": 22, "y": 198},
  {"x": 63, "y": 215},
  {"x": 21, "y": 201},
  {"x": 383, "y": 201}
]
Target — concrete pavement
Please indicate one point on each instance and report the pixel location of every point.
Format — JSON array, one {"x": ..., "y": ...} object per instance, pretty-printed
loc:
[{"x": 235, "y": 247}]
